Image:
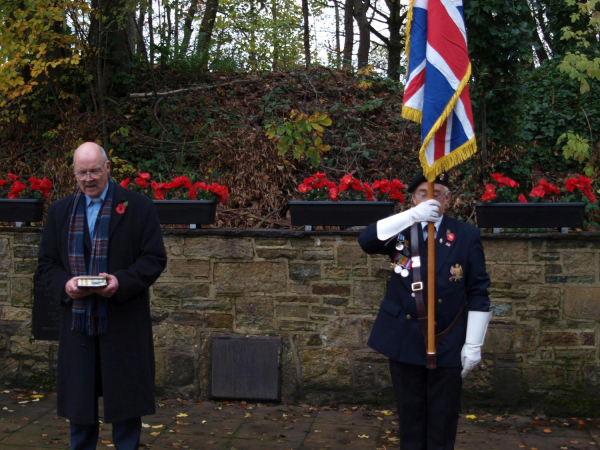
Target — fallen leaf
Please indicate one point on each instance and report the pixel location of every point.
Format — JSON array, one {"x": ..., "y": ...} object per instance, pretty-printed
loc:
[
  {"x": 493, "y": 431},
  {"x": 574, "y": 442},
  {"x": 105, "y": 441},
  {"x": 248, "y": 416},
  {"x": 181, "y": 415},
  {"x": 347, "y": 412},
  {"x": 499, "y": 419},
  {"x": 24, "y": 419},
  {"x": 547, "y": 430},
  {"x": 35, "y": 400},
  {"x": 23, "y": 402},
  {"x": 155, "y": 433},
  {"x": 145, "y": 425},
  {"x": 37, "y": 396},
  {"x": 385, "y": 412},
  {"x": 363, "y": 436},
  {"x": 157, "y": 426},
  {"x": 471, "y": 416}
]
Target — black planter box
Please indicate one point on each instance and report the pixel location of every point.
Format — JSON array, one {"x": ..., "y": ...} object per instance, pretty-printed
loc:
[
  {"x": 530, "y": 215},
  {"x": 26, "y": 210},
  {"x": 200, "y": 212},
  {"x": 343, "y": 214}
]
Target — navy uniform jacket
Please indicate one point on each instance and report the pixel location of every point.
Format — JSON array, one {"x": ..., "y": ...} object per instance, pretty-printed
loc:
[{"x": 396, "y": 332}]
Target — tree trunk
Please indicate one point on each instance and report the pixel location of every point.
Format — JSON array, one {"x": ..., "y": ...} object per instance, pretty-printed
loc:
[
  {"x": 306, "y": 33},
  {"x": 140, "y": 46},
  {"x": 206, "y": 29},
  {"x": 348, "y": 34},
  {"x": 364, "y": 42},
  {"x": 275, "y": 65},
  {"x": 338, "y": 54},
  {"x": 187, "y": 27},
  {"x": 151, "y": 29},
  {"x": 395, "y": 42}
]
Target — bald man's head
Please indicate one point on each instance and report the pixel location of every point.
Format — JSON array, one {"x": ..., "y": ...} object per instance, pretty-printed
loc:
[{"x": 91, "y": 167}]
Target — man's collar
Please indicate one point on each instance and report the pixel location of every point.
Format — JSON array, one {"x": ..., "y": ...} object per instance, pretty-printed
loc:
[{"x": 89, "y": 200}]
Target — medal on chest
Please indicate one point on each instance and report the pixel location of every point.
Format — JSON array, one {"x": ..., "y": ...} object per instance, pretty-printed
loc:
[{"x": 402, "y": 262}]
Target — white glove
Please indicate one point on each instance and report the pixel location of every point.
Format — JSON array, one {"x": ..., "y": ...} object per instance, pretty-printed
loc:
[
  {"x": 470, "y": 355},
  {"x": 427, "y": 211}
]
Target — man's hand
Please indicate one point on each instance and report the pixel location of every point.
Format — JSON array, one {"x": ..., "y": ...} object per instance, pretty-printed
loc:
[
  {"x": 111, "y": 288},
  {"x": 427, "y": 211},
  {"x": 75, "y": 292},
  {"x": 470, "y": 356}
]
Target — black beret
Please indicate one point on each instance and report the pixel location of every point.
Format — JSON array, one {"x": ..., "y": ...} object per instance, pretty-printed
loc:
[{"x": 442, "y": 178}]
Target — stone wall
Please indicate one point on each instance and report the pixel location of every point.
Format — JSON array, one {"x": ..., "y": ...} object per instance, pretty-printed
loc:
[{"x": 320, "y": 293}]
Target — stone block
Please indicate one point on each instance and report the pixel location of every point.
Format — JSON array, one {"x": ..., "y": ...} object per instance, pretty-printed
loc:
[
  {"x": 351, "y": 255},
  {"x": 544, "y": 296},
  {"x": 509, "y": 382},
  {"x": 187, "y": 318},
  {"x": 24, "y": 252},
  {"x": 334, "y": 301},
  {"x": 558, "y": 339},
  {"x": 384, "y": 377},
  {"x": 329, "y": 241},
  {"x": 11, "y": 313},
  {"x": 9, "y": 369},
  {"x": 481, "y": 379},
  {"x": 364, "y": 376},
  {"x": 168, "y": 334},
  {"x": 270, "y": 242},
  {"x": 222, "y": 304},
  {"x": 575, "y": 355},
  {"x": 297, "y": 299},
  {"x": 180, "y": 290},
  {"x": 21, "y": 291},
  {"x": 321, "y": 311},
  {"x": 301, "y": 289},
  {"x": 582, "y": 302},
  {"x": 369, "y": 293},
  {"x": 544, "y": 376},
  {"x": 308, "y": 340},
  {"x": 179, "y": 369},
  {"x": 381, "y": 268},
  {"x": 27, "y": 238},
  {"x": 579, "y": 263},
  {"x": 219, "y": 247},
  {"x": 262, "y": 276},
  {"x": 543, "y": 314},
  {"x": 541, "y": 256},
  {"x": 591, "y": 380},
  {"x": 325, "y": 369},
  {"x": 341, "y": 332},
  {"x": 305, "y": 272},
  {"x": 5, "y": 256},
  {"x": 553, "y": 269},
  {"x": 254, "y": 313},
  {"x": 517, "y": 272},
  {"x": 297, "y": 325},
  {"x": 216, "y": 320},
  {"x": 277, "y": 253},
  {"x": 297, "y": 311},
  {"x": 27, "y": 266},
  {"x": 570, "y": 279},
  {"x": 26, "y": 346},
  {"x": 562, "y": 244},
  {"x": 192, "y": 267},
  {"x": 588, "y": 339},
  {"x": 339, "y": 273},
  {"x": 317, "y": 255},
  {"x": 501, "y": 309},
  {"x": 166, "y": 304},
  {"x": 331, "y": 289},
  {"x": 509, "y": 339},
  {"x": 173, "y": 245},
  {"x": 505, "y": 250}
]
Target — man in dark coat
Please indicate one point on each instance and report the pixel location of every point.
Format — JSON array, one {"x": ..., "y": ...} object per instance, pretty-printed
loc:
[
  {"x": 429, "y": 399},
  {"x": 110, "y": 353}
]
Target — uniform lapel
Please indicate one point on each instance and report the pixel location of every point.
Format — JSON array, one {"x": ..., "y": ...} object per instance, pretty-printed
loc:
[{"x": 443, "y": 246}]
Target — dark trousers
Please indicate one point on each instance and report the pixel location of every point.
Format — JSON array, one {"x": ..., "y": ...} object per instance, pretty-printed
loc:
[
  {"x": 428, "y": 404},
  {"x": 126, "y": 434}
]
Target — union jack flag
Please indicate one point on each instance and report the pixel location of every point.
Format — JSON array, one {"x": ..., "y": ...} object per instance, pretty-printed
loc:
[{"x": 436, "y": 93}]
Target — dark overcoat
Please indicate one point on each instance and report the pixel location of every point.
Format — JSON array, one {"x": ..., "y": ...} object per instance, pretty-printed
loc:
[
  {"x": 136, "y": 257},
  {"x": 396, "y": 332}
]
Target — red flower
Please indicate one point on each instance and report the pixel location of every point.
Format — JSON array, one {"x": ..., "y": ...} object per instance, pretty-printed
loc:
[
  {"x": 3, "y": 182},
  {"x": 504, "y": 181},
  {"x": 16, "y": 188},
  {"x": 333, "y": 193},
  {"x": 450, "y": 237},
  {"x": 522, "y": 199},
  {"x": 122, "y": 207},
  {"x": 347, "y": 179},
  {"x": 538, "y": 191},
  {"x": 201, "y": 185},
  {"x": 490, "y": 192},
  {"x": 357, "y": 186},
  {"x": 319, "y": 175},
  {"x": 382, "y": 186},
  {"x": 13, "y": 177},
  {"x": 159, "y": 190},
  {"x": 144, "y": 175},
  {"x": 397, "y": 184},
  {"x": 589, "y": 195},
  {"x": 549, "y": 187},
  {"x": 125, "y": 183},
  {"x": 141, "y": 182},
  {"x": 304, "y": 188},
  {"x": 395, "y": 194},
  {"x": 368, "y": 192}
]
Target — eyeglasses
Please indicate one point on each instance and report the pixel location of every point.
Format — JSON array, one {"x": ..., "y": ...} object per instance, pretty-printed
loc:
[
  {"x": 423, "y": 195},
  {"x": 94, "y": 174}
]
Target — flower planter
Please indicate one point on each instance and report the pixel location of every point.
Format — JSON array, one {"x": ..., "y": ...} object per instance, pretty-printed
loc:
[
  {"x": 530, "y": 215},
  {"x": 344, "y": 213},
  {"x": 199, "y": 212},
  {"x": 25, "y": 210}
]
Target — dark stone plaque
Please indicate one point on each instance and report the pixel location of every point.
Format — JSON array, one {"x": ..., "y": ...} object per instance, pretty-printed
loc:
[
  {"x": 46, "y": 312},
  {"x": 245, "y": 368}
]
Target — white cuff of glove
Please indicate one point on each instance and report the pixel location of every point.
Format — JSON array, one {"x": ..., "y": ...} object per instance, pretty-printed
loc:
[
  {"x": 427, "y": 211},
  {"x": 470, "y": 355}
]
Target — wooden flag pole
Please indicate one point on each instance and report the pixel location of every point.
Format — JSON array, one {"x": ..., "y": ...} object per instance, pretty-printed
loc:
[{"x": 430, "y": 285}]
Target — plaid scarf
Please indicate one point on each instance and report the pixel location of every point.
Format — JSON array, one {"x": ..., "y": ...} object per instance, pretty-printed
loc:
[{"x": 89, "y": 313}]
